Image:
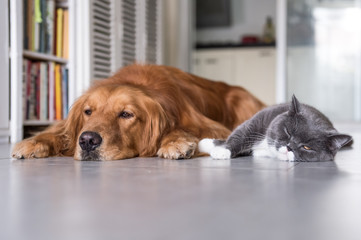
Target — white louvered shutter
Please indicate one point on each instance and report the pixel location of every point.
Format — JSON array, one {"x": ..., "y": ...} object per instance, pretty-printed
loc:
[
  {"x": 151, "y": 24},
  {"x": 128, "y": 31},
  {"x": 123, "y": 32},
  {"x": 101, "y": 34}
]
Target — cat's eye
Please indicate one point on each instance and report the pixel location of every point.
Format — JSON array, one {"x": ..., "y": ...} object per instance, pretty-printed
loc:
[
  {"x": 125, "y": 115},
  {"x": 88, "y": 112},
  {"x": 306, "y": 147}
]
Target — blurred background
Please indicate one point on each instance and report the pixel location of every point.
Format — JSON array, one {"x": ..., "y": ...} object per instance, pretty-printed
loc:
[{"x": 273, "y": 48}]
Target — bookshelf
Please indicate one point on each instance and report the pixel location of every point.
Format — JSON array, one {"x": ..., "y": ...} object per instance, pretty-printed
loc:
[
  {"x": 23, "y": 52},
  {"x": 43, "y": 57}
]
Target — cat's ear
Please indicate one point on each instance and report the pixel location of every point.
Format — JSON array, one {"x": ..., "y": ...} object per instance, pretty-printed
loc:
[
  {"x": 294, "y": 107},
  {"x": 338, "y": 141}
]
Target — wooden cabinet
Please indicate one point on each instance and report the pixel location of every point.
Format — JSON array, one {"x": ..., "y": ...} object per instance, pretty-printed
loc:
[
  {"x": 215, "y": 64},
  {"x": 251, "y": 68}
]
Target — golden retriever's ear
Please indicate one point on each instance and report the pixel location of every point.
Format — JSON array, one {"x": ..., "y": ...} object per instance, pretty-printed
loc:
[
  {"x": 156, "y": 125},
  {"x": 74, "y": 123}
]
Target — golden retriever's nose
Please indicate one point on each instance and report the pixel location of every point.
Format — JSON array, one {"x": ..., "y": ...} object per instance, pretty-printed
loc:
[{"x": 89, "y": 141}]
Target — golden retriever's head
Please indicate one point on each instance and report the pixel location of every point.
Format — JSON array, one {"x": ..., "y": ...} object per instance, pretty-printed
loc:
[{"x": 116, "y": 122}]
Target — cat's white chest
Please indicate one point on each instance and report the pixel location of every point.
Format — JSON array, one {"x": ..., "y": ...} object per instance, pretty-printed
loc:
[{"x": 263, "y": 149}]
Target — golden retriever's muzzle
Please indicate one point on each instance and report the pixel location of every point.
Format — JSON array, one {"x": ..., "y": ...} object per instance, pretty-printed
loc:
[{"x": 89, "y": 142}]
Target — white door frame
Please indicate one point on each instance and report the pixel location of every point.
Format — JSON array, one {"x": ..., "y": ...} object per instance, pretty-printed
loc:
[
  {"x": 281, "y": 62},
  {"x": 16, "y": 54}
]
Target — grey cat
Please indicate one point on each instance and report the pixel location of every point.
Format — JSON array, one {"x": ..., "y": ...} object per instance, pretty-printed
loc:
[{"x": 291, "y": 131}]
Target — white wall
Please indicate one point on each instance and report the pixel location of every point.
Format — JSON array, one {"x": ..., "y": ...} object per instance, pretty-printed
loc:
[
  {"x": 177, "y": 33},
  {"x": 248, "y": 17}
]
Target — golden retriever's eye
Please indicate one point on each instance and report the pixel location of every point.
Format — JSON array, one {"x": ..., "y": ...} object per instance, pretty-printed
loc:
[
  {"x": 125, "y": 115},
  {"x": 306, "y": 147},
  {"x": 88, "y": 112}
]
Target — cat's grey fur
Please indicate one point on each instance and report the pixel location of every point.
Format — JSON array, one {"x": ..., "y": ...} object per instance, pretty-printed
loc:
[{"x": 291, "y": 131}]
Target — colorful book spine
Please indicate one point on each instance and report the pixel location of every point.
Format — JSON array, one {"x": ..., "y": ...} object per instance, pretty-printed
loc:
[
  {"x": 65, "y": 91},
  {"x": 25, "y": 27},
  {"x": 65, "y": 30},
  {"x": 51, "y": 76},
  {"x": 58, "y": 93},
  {"x": 42, "y": 25},
  {"x": 28, "y": 89},
  {"x": 43, "y": 92},
  {"x": 37, "y": 91},
  {"x": 25, "y": 82},
  {"x": 37, "y": 25},
  {"x": 59, "y": 32},
  {"x": 30, "y": 25},
  {"x": 50, "y": 21},
  {"x": 32, "y": 92}
]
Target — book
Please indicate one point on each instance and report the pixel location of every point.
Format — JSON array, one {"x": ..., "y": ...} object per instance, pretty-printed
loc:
[
  {"x": 58, "y": 92},
  {"x": 29, "y": 24},
  {"x": 25, "y": 28},
  {"x": 65, "y": 53},
  {"x": 37, "y": 23},
  {"x": 50, "y": 21},
  {"x": 32, "y": 92},
  {"x": 51, "y": 90},
  {"x": 42, "y": 26},
  {"x": 59, "y": 32},
  {"x": 27, "y": 89},
  {"x": 43, "y": 114},
  {"x": 25, "y": 63},
  {"x": 37, "y": 90},
  {"x": 65, "y": 91}
]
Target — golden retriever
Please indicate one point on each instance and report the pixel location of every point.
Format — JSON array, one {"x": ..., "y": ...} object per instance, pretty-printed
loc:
[{"x": 145, "y": 111}]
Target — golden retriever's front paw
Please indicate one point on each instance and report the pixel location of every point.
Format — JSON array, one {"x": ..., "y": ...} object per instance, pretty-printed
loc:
[
  {"x": 30, "y": 149},
  {"x": 179, "y": 149}
]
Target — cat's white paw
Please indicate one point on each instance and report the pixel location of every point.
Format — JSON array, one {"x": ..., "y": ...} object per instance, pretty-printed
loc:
[
  {"x": 206, "y": 145},
  {"x": 220, "y": 153}
]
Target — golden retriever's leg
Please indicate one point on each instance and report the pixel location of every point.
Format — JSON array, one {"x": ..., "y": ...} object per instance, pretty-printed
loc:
[
  {"x": 48, "y": 143},
  {"x": 178, "y": 145},
  {"x": 31, "y": 148}
]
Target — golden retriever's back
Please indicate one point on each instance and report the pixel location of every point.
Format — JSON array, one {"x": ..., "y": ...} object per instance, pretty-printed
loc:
[{"x": 165, "y": 83}]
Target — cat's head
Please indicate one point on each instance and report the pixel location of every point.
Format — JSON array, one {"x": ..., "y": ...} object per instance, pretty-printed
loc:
[{"x": 305, "y": 134}]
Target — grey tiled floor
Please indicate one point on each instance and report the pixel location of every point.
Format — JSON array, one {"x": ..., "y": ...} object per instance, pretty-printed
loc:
[{"x": 244, "y": 198}]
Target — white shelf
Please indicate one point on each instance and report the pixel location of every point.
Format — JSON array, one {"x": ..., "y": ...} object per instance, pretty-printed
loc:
[
  {"x": 38, "y": 122},
  {"x": 44, "y": 57}
]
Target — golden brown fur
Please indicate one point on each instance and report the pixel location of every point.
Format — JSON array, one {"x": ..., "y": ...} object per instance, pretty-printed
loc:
[{"x": 144, "y": 110}]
